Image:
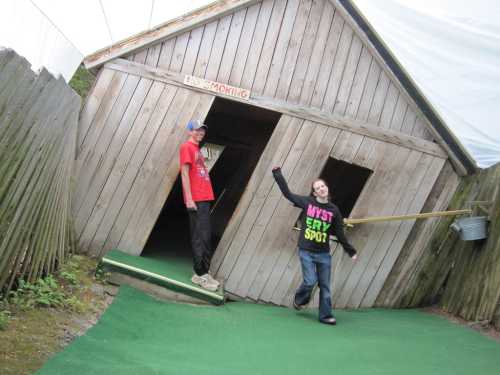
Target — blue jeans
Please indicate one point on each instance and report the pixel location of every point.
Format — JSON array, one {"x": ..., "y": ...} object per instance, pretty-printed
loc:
[{"x": 316, "y": 268}]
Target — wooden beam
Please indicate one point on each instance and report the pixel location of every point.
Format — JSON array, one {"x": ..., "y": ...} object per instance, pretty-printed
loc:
[
  {"x": 340, "y": 122},
  {"x": 217, "y": 9}
]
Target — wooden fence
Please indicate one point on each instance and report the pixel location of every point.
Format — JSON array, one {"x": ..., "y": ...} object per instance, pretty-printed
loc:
[
  {"x": 38, "y": 130},
  {"x": 461, "y": 277}
]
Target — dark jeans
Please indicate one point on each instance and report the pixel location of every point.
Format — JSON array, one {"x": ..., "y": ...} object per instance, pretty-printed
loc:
[
  {"x": 201, "y": 237},
  {"x": 316, "y": 268}
]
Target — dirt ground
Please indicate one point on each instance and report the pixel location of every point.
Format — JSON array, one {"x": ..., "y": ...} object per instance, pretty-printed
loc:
[
  {"x": 34, "y": 335},
  {"x": 482, "y": 327}
]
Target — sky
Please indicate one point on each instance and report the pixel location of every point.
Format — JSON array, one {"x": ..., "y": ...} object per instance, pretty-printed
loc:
[{"x": 451, "y": 48}]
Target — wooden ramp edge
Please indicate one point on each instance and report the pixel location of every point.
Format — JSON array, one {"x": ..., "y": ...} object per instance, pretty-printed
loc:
[{"x": 163, "y": 280}]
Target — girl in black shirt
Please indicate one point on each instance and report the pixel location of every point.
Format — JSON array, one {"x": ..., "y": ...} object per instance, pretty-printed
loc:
[{"x": 320, "y": 219}]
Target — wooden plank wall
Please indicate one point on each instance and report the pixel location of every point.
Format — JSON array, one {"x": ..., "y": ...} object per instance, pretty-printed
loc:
[
  {"x": 38, "y": 130},
  {"x": 300, "y": 51},
  {"x": 304, "y": 52},
  {"x": 256, "y": 255},
  {"x": 459, "y": 277},
  {"x": 406, "y": 268},
  {"x": 128, "y": 128}
]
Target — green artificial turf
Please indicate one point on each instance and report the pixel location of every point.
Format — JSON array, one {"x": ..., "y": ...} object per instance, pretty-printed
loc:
[
  {"x": 177, "y": 269},
  {"x": 139, "y": 335}
]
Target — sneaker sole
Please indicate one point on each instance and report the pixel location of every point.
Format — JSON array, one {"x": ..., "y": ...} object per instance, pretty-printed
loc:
[{"x": 334, "y": 323}]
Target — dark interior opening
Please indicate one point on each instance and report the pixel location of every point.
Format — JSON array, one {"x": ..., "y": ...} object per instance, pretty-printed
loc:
[
  {"x": 244, "y": 131},
  {"x": 345, "y": 181}
]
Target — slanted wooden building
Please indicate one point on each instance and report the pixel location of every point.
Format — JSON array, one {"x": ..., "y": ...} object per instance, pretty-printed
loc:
[{"x": 305, "y": 84}]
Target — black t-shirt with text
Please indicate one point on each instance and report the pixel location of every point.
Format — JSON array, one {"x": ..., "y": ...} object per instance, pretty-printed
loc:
[{"x": 319, "y": 220}]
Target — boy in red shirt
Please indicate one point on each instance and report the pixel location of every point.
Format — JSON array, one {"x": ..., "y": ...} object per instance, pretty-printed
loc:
[{"x": 198, "y": 194}]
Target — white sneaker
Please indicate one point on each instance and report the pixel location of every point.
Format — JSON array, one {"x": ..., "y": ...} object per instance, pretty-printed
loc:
[
  {"x": 212, "y": 280},
  {"x": 204, "y": 282}
]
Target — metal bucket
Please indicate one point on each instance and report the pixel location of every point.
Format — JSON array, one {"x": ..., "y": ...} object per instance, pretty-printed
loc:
[{"x": 471, "y": 228}]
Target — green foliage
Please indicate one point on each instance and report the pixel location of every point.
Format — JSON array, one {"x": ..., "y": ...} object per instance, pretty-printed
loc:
[
  {"x": 82, "y": 81},
  {"x": 70, "y": 277},
  {"x": 70, "y": 272},
  {"x": 45, "y": 292},
  {"x": 74, "y": 304},
  {"x": 101, "y": 275},
  {"x": 64, "y": 289},
  {"x": 4, "y": 319}
]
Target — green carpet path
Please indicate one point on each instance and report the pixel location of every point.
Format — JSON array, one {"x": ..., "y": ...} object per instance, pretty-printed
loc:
[{"x": 140, "y": 335}]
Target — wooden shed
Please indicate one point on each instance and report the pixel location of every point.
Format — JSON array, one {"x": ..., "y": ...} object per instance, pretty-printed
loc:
[{"x": 306, "y": 84}]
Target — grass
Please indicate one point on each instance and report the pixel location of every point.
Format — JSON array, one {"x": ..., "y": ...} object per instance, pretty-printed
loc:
[{"x": 82, "y": 81}]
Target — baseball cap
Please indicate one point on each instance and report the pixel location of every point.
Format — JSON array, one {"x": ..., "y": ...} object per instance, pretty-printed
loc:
[{"x": 195, "y": 125}]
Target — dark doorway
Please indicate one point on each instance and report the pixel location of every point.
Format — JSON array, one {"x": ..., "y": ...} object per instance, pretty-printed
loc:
[
  {"x": 346, "y": 181},
  {"x": 244, "y": 131}
]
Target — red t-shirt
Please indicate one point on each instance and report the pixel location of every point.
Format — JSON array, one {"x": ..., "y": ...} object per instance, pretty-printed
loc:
[{"x": 201, "y": 187}]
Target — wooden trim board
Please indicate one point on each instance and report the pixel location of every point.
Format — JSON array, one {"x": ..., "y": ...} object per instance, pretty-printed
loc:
[{"x": 340, "y": 122}]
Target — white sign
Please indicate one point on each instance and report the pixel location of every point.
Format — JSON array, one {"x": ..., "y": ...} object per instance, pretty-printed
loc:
[
  {"x": 217, "y": 87},
  {"x": 211, "y": 153}
]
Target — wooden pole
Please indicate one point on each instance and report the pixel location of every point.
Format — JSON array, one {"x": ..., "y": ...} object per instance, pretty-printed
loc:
[
  {"x": 407, "y": 217},
  {"x": 426, "y": 215}
]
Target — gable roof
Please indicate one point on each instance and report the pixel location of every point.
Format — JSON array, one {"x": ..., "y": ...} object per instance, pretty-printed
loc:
[
  {"x": 166, "y": 30},
  {"x": 352, "y": 14}
]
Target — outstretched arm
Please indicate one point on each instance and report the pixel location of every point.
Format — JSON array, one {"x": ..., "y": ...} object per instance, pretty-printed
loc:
[{"x": 297, "y": 200}]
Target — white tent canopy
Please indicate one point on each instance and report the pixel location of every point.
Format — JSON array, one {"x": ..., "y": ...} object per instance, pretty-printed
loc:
[
  {"x": 450, "y": 48},
  {"x": 58, "y": 34}
]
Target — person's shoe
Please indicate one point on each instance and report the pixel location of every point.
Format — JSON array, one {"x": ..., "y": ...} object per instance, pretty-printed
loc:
[
  {"x": 297, "y": 306},
  {"x": 212, "y": 280},
  {"x": 331, "y": 320},
  {"x": 204, "y": 282}
]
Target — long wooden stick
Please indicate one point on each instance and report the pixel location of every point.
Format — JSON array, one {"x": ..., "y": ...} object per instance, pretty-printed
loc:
[{"x": 407, "y": 217}]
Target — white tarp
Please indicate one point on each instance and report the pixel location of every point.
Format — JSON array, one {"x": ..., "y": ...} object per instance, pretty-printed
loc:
[
  {"x": 451, "y": 48},
  {"x": 58, "y": 34},
  {"x": 27, "y": 30}
]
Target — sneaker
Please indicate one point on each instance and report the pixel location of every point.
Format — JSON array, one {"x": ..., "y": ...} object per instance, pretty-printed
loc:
[
  {"x": 212, "y": 280},
  {"x": 331, "y": 320},
  {"x": 204, "y": 282},
  {"x": 297, "y": 306}
]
